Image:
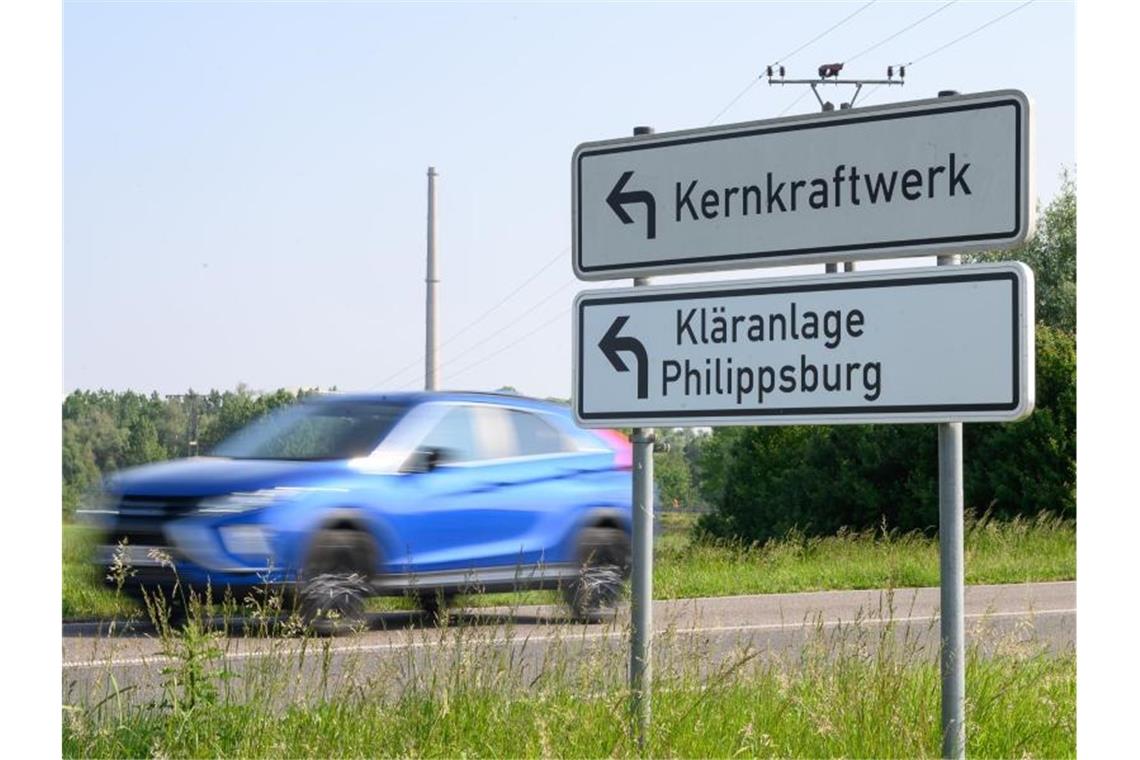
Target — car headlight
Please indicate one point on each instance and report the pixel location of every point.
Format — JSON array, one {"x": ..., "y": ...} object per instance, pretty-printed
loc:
[
  {"x": 245, "y": 501},
  {"x": 241, "y": 501},
  {"x": 245, "y": 540}
]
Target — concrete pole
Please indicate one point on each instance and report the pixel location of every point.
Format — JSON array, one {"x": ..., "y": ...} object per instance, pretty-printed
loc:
[
  {"x": 952, "y": 578},
  {"x": 431, "y": 348},
  {"x": 641, "y": 603}
]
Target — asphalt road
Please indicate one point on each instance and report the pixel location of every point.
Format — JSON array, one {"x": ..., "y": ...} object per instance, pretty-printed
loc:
[{"x": 401, "y": 650}]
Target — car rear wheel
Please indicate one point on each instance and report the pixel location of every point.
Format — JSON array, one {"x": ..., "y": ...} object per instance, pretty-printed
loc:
[
  {"x": 603, "y": 567},
  {"x": 335, "y": 581}
]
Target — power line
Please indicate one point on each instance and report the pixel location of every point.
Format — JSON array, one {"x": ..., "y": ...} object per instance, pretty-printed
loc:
[
  {"x": 786, "y": 56},
  {"x": 513, "y": 343},
  {"x": 830, "y": 29},
  {"x": 906, "y": 28},
  {"x": 733, "y": 101},
  {"x": 541, "y": 302},
  {"x": 970, "y": 33},
  {"x": 560, "y": 255},
  {"x": 792, "y": 105},
  {"x": 956, "y": 40}
]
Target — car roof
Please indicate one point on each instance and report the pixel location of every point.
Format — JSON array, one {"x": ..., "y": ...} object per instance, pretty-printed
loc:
[{"x": 412, "y": 398}]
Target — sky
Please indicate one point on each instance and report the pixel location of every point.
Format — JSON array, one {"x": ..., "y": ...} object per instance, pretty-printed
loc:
[{"x": 245, "y": 184}]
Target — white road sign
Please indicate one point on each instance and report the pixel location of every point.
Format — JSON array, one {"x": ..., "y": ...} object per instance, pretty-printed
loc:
[
  {"x": 945, "y": 175},
  {"x": 937, "y": 344}
]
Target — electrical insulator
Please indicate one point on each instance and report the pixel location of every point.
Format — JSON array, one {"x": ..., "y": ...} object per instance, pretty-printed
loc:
[
  {"x": 781, "y": 71},
  {"x": 769, "y": 72},
  {"x": 902, "y": 71},
  {"x": 890, "y": 72}
]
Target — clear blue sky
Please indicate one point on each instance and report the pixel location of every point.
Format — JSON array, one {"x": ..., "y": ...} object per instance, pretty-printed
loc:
[{"x": 244, "y": 184}]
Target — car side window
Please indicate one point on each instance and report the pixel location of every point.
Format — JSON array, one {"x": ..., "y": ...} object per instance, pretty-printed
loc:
[
  {"x": 454, "y": 435},
  {"x": 535, "y": 435},
  {"x": 494, "y": 434}
]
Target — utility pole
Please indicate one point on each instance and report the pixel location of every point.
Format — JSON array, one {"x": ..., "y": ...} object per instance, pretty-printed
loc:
[{"x": 431, "y": 357}]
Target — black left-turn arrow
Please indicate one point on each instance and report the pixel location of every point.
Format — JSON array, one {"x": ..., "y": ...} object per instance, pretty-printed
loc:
[
  {"x": 618, "y": 199},
  {"x": 611, "y": 344}
]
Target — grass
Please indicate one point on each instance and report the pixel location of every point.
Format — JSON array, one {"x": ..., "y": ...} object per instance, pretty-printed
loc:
[
  {"x": 84, "y": 595},
  {"x": 1015, "y": 551},
  {"x": 836, "y": 697},
  {"x": 811, "y": 716}
]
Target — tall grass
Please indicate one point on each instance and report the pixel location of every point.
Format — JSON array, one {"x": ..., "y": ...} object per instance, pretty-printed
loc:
[
  {"x": 1014, "y": 551},
  {"x": 492, "y": 690}
]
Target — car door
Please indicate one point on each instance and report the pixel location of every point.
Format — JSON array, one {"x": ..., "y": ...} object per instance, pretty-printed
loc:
[
  {"x": 483, "y": 505},
  {"x": 457, "y": 515}
]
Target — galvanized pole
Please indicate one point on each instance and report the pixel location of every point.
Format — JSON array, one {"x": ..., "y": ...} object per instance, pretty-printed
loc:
[
  {"x": 952, "y": 579},
  {"x": 431, "y": 358},
  {"x": 952, "y": 574},
  {"x": 641, "y": 606}
]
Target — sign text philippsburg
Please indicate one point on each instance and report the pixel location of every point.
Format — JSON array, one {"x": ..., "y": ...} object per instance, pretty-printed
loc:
[{"x": 927, "y": 345}]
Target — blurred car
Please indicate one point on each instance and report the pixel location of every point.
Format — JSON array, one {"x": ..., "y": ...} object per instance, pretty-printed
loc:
[{"x": 340, "y": 497}]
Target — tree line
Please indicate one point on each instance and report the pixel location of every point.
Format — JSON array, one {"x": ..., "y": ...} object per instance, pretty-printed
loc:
[{"x": 104, "y": 431}]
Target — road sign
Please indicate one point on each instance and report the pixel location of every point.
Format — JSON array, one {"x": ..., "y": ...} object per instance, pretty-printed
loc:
[
  {"x": 922, "y": 345},
  {"x": 938, "y": 176}
]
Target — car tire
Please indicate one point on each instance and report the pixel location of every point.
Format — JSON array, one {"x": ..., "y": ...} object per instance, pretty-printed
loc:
[
  {"x": 335, "y": 581},
  {"x": 604, "y": 559}
]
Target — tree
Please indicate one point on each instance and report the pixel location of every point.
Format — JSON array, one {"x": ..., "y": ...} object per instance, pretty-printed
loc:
[
  {"x": 1052, "y": 255},
  {"x": 104, "y": 431},
  {"x": 673, "y": 480}
]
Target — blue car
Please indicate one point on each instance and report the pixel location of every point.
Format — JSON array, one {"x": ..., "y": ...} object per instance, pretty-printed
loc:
[{"x": 340, "y": 497}]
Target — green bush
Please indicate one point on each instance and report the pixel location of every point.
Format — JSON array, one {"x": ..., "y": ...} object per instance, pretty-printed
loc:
[{"x": 769, "y": 481}]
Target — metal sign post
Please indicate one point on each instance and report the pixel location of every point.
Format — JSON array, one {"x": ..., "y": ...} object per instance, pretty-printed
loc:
[
  {"x": 952, "y": 580},
  {"x": 641, "y": 606}
]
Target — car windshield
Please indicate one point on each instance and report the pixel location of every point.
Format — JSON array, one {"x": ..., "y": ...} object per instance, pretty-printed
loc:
[{"x": 314, "y": 430}]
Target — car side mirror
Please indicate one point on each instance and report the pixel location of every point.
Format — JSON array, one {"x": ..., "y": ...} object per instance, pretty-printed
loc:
[{"x": 425, "y": 459}]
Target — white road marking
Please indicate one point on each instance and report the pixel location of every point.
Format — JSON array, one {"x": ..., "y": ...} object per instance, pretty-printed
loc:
[{"x": 412, "y": 645}]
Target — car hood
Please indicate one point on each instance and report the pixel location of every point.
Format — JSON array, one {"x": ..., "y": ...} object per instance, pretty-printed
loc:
[{"x": 210, "y": 476}]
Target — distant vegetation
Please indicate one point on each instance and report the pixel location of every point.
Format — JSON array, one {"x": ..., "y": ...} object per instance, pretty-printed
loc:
[{"x": 104, "y": 431}]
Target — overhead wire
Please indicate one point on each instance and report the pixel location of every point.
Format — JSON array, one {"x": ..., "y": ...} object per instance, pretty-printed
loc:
[
  {"x": 955, "y": 41},
  {"x": 991, "y": 22},
  {"x": 513, "y": 343},
  {"x": 561, "y": 255},
  {"x": 786, "y": 56},
  {"x": 541, "y": 302},
  {"x": 905, "y": 29}
]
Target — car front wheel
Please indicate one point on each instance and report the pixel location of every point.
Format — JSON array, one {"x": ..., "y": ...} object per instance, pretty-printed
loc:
[
  {"x": 334, "y": 583},
  {"x": 604, "y": 559}
]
